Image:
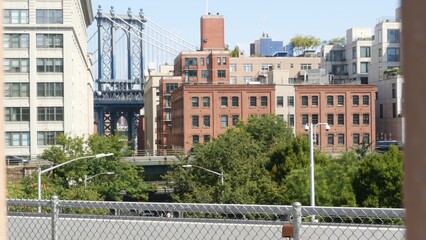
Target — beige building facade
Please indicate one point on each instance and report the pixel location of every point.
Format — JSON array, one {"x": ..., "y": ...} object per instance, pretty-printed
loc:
[{"x": 47, "y": 79}]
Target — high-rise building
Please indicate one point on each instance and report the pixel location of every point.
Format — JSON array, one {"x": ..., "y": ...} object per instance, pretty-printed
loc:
[
  {"x": 47, "y": 79},
  {"x": 266, "y": 47}
]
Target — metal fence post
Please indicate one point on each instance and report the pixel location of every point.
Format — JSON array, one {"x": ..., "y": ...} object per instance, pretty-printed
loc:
[
  {"x": 297, "y": 220},
  {"x": 55, "y": 215}
]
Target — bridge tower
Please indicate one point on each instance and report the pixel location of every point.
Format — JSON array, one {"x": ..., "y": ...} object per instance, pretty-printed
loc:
[{"x": 119, "y": 82}]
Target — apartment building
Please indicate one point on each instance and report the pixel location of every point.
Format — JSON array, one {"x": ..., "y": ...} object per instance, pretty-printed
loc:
[
  {"x": 203, "y": 112},
  {"x": 386, "y": 73},
  {"x": 48, "y": 86},
  {"x": 152, "y": 100},
  {"x": 348, "y": 109},
  {"x": 254, "y": 70}
]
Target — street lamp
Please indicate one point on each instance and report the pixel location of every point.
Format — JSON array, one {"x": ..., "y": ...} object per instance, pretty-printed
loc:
[
  {"x": 62, "y": 164},
  {"x": 312, "y": 128},
  {"x": 205, "y": 169},
  {"x": 86, "y": 178}
]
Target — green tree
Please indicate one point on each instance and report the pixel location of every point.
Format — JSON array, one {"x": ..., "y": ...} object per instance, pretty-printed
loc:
[
  {"x": 67, "y": 181},
  {"x": 303, "y": 43},
  {"x": 241, "y": 158},
  {"x": 378, "y": 181},
  {"x": 235, "y": 52},
  {"x": 337, "y": 41}
]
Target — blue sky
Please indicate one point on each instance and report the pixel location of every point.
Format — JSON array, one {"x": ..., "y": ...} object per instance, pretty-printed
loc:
[{"x": 245, "y": 21}]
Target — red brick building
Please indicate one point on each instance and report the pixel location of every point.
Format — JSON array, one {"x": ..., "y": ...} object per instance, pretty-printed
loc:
[
  {"x": 348, "y": 109},
  {"x": 202, "y": 112}
]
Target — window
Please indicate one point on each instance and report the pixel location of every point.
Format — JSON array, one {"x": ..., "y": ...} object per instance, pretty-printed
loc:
[
  {"x": 206, "y": 138},
  {"x": 221, "y": 73},
  {"x": 356, "y": 139},
  {"x": 17, "y": 114},
  {"x": 381, "y": 110},
  {"x": 233, "y": 80},
  {"x": 218, "y": 60},
  {"x": 195, "y": 102},
  {"x": 290, "y": 100},
  {"x": 207, "y": 61},
  {"x": 314, "y": 118},
  {"x": 340, "y": 119},
  {"x": 355, "y": 100},
  {"x": 47, "y": 138},
  {"x": 393, "y": 54},
  {"x": 394, "y": 110},
  {"x": 16, "y": 16},
  {"x": 341, "y": 139},
  {"x": 365, "y": 52},
  {"x": 195, "y": 121},
  {"x": 366, "y": 137},
  {"x": 330, "y": 119},
  {"x": 206, "y": 102},
  {"x": 49, "y": 16},
  {"x": 355, "y": 119},
  {"x": 235, "y": 119},
  {"x": 366, "y": 119},
  {"x": 223, "y": 60},
  {"x": 16, "y": 90},
  {"x": 330, "y": 100},
  {"x": 201, "y": 61},
  {"x": 247, "y": 79},
  {"x": 354, "y": 68},
  {"x": 15, "y": 40},
  {"x": 206, "y": 121},
  {"x": 380, "y": 36},
  {"x": 365, "y": 100},
  {"x": 17, "y": 138},
  {"x": 340, "y": 100},
  {"x": 305, "y": 119},
  {"x": 50, "y": 41},
  {"x": 224, "y": 101},
  {"x": 50, "y": 65},
  {"x": 253, "y": 101},
  {"x": 50, "y": 113},
  {"x": 305, "y": 66},
  {"x": 16, "y": 65},
  {"x": 290, "y": 120},
  {"x": 353, "y": 52},
  {"x": 233, "y": 67},
  {"x": 280, "y": 101},
  {"x": 170, "y": 87},
  {"x": 192, "y": 73},
  {"x": 330, "y": 139},
  {"x": 195, "y": 139},
  {"x": 314, "y": 100},
  {"x": 380, "y": 54},
  {"x": 364, "y": 67},
  {"x": 205, "y": 73},
  {"x": 248, "y": 68},
  {"x": 263, "y": 101},
  {"x": 304, "y": 101},
  {"x": 393, "y": 35},
  {"x": 235, "y": 101},
  {"x": 393, "y": 90},
  {"x": 224, "y": 121},
  {"x": 50, "y": 89}
]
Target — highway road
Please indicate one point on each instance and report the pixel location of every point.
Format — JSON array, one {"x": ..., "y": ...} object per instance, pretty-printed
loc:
[{"x": 71, "y": 227}]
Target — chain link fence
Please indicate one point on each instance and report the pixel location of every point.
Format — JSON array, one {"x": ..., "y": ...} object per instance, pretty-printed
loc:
[{"x": 58, "y": 219}]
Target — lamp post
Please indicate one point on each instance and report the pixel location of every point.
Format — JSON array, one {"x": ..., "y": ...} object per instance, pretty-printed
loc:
[
  {"x": 40, "y": 172},
  {"x": 205, "y": 169},
  {"x": 311, "y": 128},
  {"x": 86, "y": 178}
]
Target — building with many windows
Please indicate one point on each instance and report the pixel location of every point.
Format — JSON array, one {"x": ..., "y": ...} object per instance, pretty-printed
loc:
[
  {"x": 348, "y": 109},
  {"x": 47, "y": 79}
]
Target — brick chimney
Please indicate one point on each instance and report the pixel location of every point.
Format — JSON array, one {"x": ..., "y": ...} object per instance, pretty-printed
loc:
[{"x": 212, "y": 32}]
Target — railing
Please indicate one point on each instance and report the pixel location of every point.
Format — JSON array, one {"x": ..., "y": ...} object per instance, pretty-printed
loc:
[
  {"x": 126, "y": 220},
  {"x": 158, "y": 152}
]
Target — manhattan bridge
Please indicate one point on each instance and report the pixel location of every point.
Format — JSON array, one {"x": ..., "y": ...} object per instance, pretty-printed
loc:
[{"x": 122, "y": 48}]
